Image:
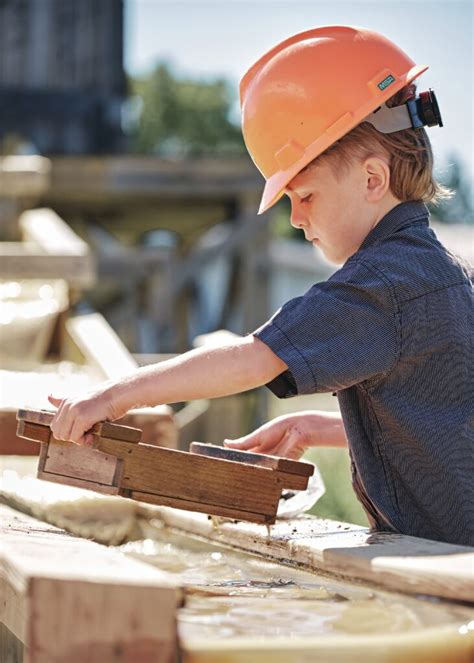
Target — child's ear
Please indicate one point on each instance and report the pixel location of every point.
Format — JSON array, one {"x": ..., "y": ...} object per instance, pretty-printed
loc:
[{"x": 377, "y": 177}]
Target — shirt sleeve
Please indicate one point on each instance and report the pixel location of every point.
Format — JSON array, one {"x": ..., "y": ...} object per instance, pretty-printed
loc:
[{"x": 339, "y": 333}]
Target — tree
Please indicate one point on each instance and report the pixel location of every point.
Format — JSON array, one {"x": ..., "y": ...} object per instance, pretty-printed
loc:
[
  {"x": 458, "y": 209},
  {"x": 184, "y": 116}
]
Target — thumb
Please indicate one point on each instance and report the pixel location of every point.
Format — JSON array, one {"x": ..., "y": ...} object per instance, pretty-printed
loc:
[{"x": 55, "y": 401}]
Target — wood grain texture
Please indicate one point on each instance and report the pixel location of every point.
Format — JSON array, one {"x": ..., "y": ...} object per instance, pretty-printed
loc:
[
  {"x": 188, "y": 505},
  {"x": 105, "y": 489},
  {"x": 81, "y": 462},
  {"x": 263, "y": 460},
  {"x": 35, "y": 432},
  {"x": 216, "y": 484},
  {"x": 105, "y": 428},
  {"x": 69, "y": 599},
  {"x": 392, "y": 561},
  {"x": 10, "y": 443}
]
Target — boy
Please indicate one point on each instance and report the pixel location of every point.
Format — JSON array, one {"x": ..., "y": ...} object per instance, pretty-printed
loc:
[{"x": 331, "y": 119}]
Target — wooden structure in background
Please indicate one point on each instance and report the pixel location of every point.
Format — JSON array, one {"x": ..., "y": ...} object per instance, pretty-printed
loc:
[
  {"x": 156, "y": 297},
  {"x": 49, "y": 250},
  {"x": 68, "y": 599},
  {"x": 156, "y": 229},
  {"x": 244, "y": 490}
]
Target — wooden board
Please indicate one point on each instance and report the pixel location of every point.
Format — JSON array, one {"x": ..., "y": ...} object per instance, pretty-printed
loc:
[
  {"x": 263, "y": 460},
  {"x": 182, "y": 479},
  {"x": 104, "y": 428},
  {"x": 294, "y": 474},
  {"x": 69, "y": 599},
  {"x": 100, "y": 345},
  {"x": 392, "y": 561}
]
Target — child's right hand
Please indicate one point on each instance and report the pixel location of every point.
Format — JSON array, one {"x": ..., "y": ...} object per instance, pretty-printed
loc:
[
  {"x": 75, "y": 416},
  {"x": 290, "y": 435}
]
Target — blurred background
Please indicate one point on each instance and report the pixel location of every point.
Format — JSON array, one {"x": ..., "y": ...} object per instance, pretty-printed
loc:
[{"x": 128, "y": 203}]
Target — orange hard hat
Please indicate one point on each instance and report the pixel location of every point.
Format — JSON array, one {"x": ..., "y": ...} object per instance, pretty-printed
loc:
[{"x": 310, "y": 90}]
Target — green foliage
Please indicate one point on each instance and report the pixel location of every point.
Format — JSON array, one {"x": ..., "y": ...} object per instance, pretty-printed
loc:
[
  {"x": 184, "y": 116},
  {"x": 460, "y": 208},
  {"x": 339, "y": 502}
]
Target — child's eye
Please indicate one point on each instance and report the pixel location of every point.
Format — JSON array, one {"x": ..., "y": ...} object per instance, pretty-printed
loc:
[{"x": 307, "y": 198}]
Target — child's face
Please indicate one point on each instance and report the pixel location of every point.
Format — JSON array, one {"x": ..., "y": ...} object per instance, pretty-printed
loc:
[{"x": 335, "y": 216}]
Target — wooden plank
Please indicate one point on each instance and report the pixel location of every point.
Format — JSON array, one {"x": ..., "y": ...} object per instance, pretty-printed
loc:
[
  {"x": 188, "y": 505},
  {"x": 293, "y": 481},
  {"x": 64, "y": 480},
  {"x": 35, "y": 432},
  {"x": 24, "y": 260},
  {"x": 263, "y": 460},
  {"x": 104, "y": 428},
  {"x": 24, "y": 176},
  {"x": 47, "y": 230},
  {"x": 214, "y": 483},
  {"x": 81, "y": 462},
  {"x": 69, "y": 599},
  {"x": 131, "y": 179},
  {"x": 10, "y": 443},
  {"x": 392, "y": 561},
  {"x": 100, "y": 345}
]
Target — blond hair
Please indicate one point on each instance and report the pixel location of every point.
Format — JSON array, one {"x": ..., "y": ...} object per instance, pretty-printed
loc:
[{"x": 409, "y": 153}]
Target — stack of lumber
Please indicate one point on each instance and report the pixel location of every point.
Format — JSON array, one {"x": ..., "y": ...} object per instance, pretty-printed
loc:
[{"x": 66, "y": 599}]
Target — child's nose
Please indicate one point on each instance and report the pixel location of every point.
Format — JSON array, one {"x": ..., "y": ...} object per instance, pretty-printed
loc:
[{"x": 297, "y": 219}]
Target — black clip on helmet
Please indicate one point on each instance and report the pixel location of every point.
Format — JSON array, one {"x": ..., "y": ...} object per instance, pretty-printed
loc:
[
  {"x": 424, "y": 110},
  {"x": 415, "y": 113}
]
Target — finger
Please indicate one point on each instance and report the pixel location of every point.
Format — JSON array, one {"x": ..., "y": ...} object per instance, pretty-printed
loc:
[
  {"x": 290, "y": 447},
  {"x": 262, "y": 440},
  {"x": 86, "y": 440},
  {"x": 55, "y": 401},
  {"x": 62, "y": 423},
  {"x": 246, "y": 441},
  {"x": 78, "y": 433}
]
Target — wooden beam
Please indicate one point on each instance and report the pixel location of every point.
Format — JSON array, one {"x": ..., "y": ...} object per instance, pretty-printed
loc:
[
  {"x": 100, "y": 345},
  {"x": 392, "y": 561},
  {"x": 24, "y": 177},
  {"x": 25, "y": 260},
  {"x": 44, "y": 418},
  {"x": 69, "y": 599},
  {"x": 262, "y": 460},
  {"x": 49, "y": 232},
  {"x": 294, "y": 474},
  {"x": 125, "y": 178}
]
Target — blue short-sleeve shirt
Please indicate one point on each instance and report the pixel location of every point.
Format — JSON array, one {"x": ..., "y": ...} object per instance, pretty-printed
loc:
[{"x": 392, "y": 333}]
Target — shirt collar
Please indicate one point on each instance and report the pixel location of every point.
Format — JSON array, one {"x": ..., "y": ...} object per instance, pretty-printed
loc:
[{"x": 401, "y": 216}]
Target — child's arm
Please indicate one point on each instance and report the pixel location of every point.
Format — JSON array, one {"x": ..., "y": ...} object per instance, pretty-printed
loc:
[
  {"x": 203, "y": 373},
  {"x": 290, "y": 435}
]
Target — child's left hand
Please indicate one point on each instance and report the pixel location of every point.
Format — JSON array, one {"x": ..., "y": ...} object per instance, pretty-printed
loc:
[{"x": 287, "y": 436}]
